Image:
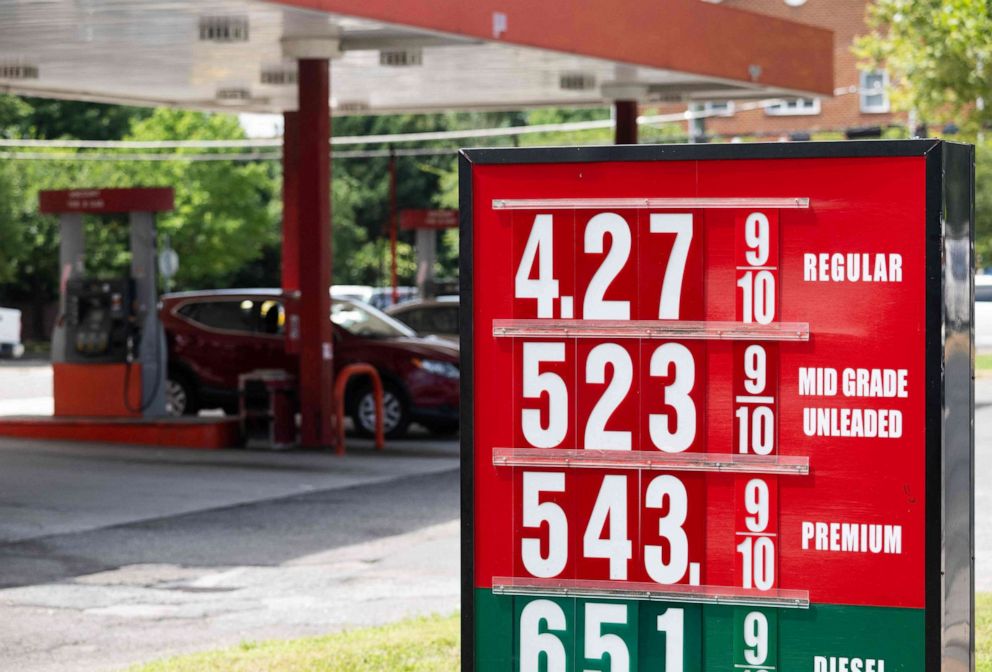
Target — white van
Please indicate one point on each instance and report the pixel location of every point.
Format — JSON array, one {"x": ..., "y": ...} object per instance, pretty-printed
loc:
[{"x": 10, "y": 333}]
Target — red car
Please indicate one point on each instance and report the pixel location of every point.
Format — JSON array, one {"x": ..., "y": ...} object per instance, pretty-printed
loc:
[{"x": 214, "y": 336}]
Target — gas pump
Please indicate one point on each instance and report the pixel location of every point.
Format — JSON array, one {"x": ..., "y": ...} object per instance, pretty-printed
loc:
[
  {"x": 99, "y": 320},
  {"x": 108, "y": 346}
]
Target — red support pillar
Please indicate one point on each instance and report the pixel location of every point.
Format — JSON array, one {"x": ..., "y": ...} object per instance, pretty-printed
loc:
[
  {"x": 290, "y": 202},
  {"x": 625, "y": 115},
  {"x": 314, "y": 254},
  {"x": 393, "y": 229}
]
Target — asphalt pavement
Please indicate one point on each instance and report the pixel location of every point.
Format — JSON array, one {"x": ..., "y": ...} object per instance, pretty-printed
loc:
[
  {"x": 111, "y": 555},
  {"x": 285, "y": 567}
]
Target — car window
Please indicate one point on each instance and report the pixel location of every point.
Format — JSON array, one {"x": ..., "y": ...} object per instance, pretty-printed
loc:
[
  {"x": 271, "y": 316},
  {"x": 264, "y": 316},
  {"x": 415, "y": 319},
  {"x": 361, "y": 319},
  {"x": 983, "y": 292},
  {"x": 446, "y": 320}
]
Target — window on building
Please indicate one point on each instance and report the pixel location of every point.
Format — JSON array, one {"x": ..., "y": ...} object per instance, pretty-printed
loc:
[
  {"x": 796, "y": 106},
  {"x": 873, "y": 92},
  {"x": 718, "y": 108}
]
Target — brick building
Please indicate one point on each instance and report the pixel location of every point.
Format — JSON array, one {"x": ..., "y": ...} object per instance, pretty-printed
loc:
[{"x": 861, "y": 98}]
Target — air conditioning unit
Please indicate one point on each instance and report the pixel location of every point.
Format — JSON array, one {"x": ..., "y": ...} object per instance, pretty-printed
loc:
[
  {"x": 224, "y": 29},
  {"x": 401, "y": 58},
  {"x": 576, "y": 81},
  {"x": 18, "y": 71},
  {"x": 233, "y": 95},
  {"x": 279, "y": 76}
]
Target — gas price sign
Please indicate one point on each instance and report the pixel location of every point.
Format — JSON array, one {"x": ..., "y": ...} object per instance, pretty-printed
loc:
[{"x": 717, "y": 408}]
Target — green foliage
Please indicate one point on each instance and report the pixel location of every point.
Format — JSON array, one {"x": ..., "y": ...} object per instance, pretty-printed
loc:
[
  {"x": 361, "y": 228},
  {"x": 14, "y": 114},
  {"x": 226, "y": 212},
  {"x": 225, "y": 216},
  {"x": 48, "y": 118},
  {"x": 29, "y": 256},
  {"x": 554, "y": 115},
  {"x": 937, "y": 53},
  {"x": 983, "y": 204},
  {"x": 983, "y": 632}
]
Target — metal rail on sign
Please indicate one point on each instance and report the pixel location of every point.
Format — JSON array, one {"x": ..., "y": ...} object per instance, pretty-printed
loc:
[
  {"x": 671, "y": 329},
  {"x": 791, "y": 203},
  {"x": 654, "y": 592},
  {"x": 651, "y": 461}
]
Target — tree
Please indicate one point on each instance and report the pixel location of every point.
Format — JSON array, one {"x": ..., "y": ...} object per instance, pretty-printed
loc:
[
  {"x": 28, "y": 257},
  {"x": 361, "y": 229},
  {"x": 937, "y": 54},
  {"x": 50, "y": 118},
  {"x": 226, "y": 212}
]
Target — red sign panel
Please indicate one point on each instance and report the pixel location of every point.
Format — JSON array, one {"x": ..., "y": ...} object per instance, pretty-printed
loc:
[
  {"x": 700, "y": 381},
  {"x": 106, "y": 201},
  {"x": 428, "y": 219}
]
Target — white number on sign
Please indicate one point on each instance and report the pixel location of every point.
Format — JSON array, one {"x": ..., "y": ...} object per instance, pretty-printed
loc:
[
  {"x": 611, "y": 505},
  {"x": 537, "y": 384},
  {"x": 598, "y": 644},
  {"x": 756, "y": 429},
  {"x": 671, "y": 286},
  {"x": 756, "y": 234},
  {"x": 755, "y": 638},
  {"x": 537, "y": 513},
  {"x": 550, "y": 432},
  {"x": 755, "y": 369},
  {"x": 595, "y": 307},
  {"x": 758, "y": 289},
  {"x": 677, "y": 396},
  {"x": 755, "y": 424},
  {"x": 756, "y": 503},
  {"x": 543, "y": 286},
  {"x": 597, "y": 436},
  {"x": 540, "y": 247},
  {"x": 672, "y": 624},
  {"x": 758, "y": 562},
  {"x": 670, "y": 528},
  {"x": 534, "y": 642}
]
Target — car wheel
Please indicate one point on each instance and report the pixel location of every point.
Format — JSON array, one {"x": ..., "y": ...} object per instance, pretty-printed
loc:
[
  {"x": 396, "y": 412},
  {"x": 180, "y": 396}
]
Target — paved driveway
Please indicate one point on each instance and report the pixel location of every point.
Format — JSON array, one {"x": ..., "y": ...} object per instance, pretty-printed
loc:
[{"x": 113, "y": 554}]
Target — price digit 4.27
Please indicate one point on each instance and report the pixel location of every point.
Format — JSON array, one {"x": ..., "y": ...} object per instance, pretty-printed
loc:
[{"x": 535, "y": 276}]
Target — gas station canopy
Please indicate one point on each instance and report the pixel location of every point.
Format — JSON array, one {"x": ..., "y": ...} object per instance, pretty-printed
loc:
[{"x": 406, "y": 55}]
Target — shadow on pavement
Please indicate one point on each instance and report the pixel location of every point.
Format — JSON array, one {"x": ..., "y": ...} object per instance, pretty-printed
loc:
[{"x": 260, "y": 533}]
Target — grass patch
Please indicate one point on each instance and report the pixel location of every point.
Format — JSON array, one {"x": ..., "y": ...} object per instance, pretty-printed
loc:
[
  {"x": 418, "y": 645},
  {"x": 983, "y": 632},
  {"x": 983, "y": 362}
]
